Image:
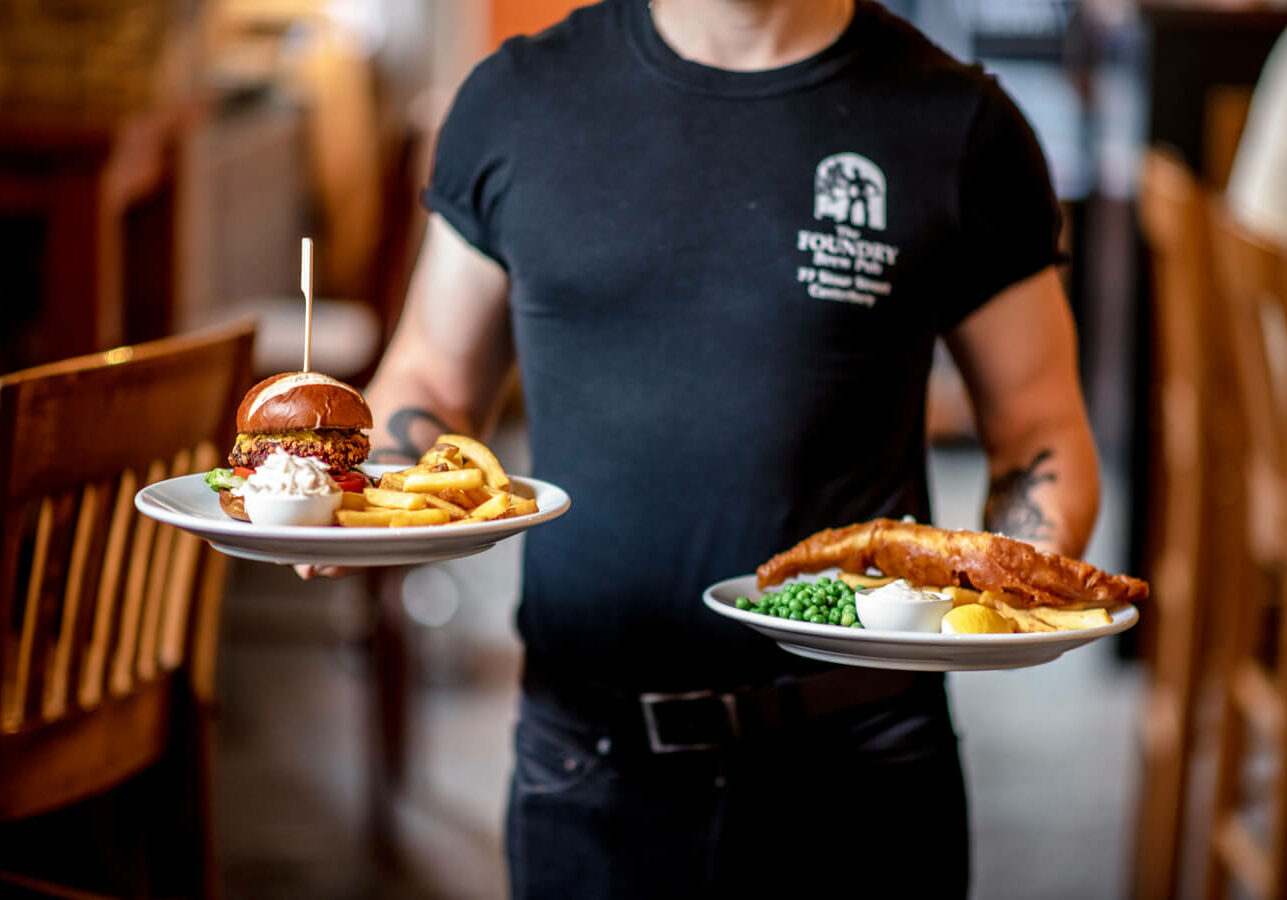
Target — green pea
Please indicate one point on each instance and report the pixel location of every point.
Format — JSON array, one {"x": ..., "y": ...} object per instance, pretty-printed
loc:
[
  {"x": 742, "y": 603},
  {"x": 847, "y": 619}
]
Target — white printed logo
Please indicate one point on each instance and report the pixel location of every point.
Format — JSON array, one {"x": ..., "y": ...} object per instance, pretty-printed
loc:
[
  {"x": 851, "y": 189},
  {"x": 845, "y": 264}
]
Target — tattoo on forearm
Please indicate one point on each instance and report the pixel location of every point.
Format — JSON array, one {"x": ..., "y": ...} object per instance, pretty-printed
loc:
[
  {"x": 400, "y": 429},
  {"x": 1010, "y": 509}
]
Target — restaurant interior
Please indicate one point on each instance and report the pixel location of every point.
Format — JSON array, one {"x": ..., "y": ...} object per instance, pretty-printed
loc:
[{"x": 262, "y": 736}]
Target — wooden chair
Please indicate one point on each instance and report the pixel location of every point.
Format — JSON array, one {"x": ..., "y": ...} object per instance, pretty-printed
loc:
[
  {"x": 1187, "y": 513},
  {"x": 1253, "y": 284},
  {"x": 108, "y": 620}
]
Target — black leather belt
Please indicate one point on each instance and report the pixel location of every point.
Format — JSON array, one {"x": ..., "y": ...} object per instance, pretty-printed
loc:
[{"x": 671, "y": 722}]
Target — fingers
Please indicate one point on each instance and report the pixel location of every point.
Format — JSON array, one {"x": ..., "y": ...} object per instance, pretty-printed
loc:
[{"x": 308, "y": 573}]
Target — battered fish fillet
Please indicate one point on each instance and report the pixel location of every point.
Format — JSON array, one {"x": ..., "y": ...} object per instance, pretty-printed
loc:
[{"x": 928, "y": 556}]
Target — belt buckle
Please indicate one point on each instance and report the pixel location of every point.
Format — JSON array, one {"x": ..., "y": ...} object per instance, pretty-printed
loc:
[{"x": 650, "y": 702}]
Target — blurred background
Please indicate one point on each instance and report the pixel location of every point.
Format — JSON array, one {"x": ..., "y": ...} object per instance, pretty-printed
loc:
[{"x": 159, "y": 162}]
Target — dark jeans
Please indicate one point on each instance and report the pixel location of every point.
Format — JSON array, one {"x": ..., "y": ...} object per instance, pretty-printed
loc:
[{"x": 867, "y": 803}]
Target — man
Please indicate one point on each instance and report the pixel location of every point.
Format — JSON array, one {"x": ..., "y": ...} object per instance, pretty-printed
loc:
[{"x": 719, "y": 237}]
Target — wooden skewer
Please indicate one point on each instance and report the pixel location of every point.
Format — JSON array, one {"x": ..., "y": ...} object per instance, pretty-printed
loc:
[{"x": 306, "y": 285}]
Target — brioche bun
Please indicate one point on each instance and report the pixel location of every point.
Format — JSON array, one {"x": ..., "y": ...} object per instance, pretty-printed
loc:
[
  {"x": 233, "y": 505},
  {"x": 292, "y": 401}
]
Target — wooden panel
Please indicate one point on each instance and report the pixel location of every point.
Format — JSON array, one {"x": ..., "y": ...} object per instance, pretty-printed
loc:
[
  {"x": 182, "y": 583},
  {"x": 157, "y": 583},
  {"x": 15, "y": 698},
  {"x": 56, "y": 686},
  {"x": 136, "y": 578},
  {"x": 66, "y": 760},
  {"x": 92, "y": 681}
]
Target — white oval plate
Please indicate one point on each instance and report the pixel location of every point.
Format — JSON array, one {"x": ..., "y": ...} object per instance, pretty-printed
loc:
[
  {"x": 905, "y": 649},
  {"x": 188, "y": 503}
]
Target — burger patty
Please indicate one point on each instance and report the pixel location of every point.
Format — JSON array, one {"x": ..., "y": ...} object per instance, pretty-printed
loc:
[{"x": 340, "y": 448}]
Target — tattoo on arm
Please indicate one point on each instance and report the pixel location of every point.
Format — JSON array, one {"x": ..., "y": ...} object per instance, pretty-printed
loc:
[
  {"x": 1010, "y": 509},
  {"x": 400, "y": 429}
]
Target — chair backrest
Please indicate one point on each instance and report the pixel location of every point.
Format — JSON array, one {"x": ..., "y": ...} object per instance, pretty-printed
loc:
[
  {"x": 96, "y": 601},
  {"x": 1172, "y": 215},
  {"x": 1173, "y": 218},
  {"x": 1252, "y": 276}
]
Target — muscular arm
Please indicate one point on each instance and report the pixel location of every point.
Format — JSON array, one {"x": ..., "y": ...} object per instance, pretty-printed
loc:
[
  {"x": 1018, "y": 357},
  {"x": 449, "y": 359}
]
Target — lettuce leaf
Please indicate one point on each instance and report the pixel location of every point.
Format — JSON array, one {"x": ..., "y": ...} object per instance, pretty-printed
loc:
[{"x": 219, "y": 479}]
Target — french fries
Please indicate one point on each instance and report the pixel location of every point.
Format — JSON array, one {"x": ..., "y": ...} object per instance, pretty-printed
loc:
[
  {"x": 478, "y": 454},
  {"x": 491, "y": 509},
  {"x": 1039, "y": 619},
  {"x": 351, "y": 500},
  {"x": 458, "y": 479},
  {"x": 393, "y": 499},
  {"x": 432, "y": 482},
  {"x": 420, "y": 517},
  {"x": 373, "y": 516}
]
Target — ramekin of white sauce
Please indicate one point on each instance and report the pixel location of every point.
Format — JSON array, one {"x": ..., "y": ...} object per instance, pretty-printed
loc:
[
  {"x": 898, "y": 606},
  {"x": 290, "y": 490}
]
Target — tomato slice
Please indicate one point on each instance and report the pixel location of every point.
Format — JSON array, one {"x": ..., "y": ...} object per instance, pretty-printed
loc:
[
  {"x": 352, "y": 481},
  {"x": 242, "y": 471}
]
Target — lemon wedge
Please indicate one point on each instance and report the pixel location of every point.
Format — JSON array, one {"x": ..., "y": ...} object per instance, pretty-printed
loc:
[{"x": 973, "y": 618}]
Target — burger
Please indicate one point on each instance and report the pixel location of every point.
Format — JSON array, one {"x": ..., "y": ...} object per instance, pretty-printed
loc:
[{"x": 303, "y": 414}]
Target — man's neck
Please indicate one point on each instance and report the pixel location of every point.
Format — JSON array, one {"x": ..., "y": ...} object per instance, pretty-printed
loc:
[{"x": 748, "y": 35}]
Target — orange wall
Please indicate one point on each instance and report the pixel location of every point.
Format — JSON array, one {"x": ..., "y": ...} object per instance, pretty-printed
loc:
[{"x": 510, "y": 17}]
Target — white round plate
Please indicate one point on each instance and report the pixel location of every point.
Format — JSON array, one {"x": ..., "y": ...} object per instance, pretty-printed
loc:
[
  {"x": 188, "y": 503},
  {"x": 905, "y": 649}
]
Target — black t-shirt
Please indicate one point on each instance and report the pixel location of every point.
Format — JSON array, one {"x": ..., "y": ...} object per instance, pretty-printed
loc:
[{"x": 725, "y": 290}]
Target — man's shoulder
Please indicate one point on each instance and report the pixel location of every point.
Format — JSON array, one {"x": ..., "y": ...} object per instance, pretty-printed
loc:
[
  {"x": 583, "y": 33},
  {"x": 904, "y": 53},
  {"x": 529, "y": 65}
]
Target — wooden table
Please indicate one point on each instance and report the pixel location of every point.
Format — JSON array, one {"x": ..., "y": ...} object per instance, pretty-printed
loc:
[{"x": 106, "y": 192}]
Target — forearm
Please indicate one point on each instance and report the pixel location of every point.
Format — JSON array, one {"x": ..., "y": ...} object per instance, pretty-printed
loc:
[
  {"x": 407, "y": 416},
  {"x": 1045, "y": 488},
  {"x": 1018, "y": 356},
  {"x": 450, "y": 359},
  {"x": 419, "y": 392}
]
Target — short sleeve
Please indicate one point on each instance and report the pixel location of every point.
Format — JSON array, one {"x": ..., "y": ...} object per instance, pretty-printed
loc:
[
  {"x": 473, "y": 162},
  {"x": 1009, "y": 216}
]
